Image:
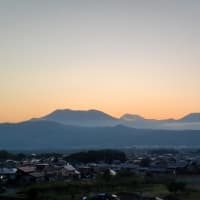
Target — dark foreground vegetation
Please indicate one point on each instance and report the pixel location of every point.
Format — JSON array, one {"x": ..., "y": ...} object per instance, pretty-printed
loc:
[
  {"x": 108, "y": 156},
  {"x": 123, "y": 184}
]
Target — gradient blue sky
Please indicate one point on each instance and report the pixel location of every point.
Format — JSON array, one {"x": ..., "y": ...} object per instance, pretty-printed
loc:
[{"x": 122, "y": 56}]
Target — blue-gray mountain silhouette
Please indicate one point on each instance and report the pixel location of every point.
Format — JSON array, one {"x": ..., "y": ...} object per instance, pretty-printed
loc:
[
  {"x": 191, "y": 121},
  {"x": 53, "y": 135},
  {"x": 193, "y": 117},
  {"x": 95, "y": 118},
  {"x": 64, "y": 129},
  {"x": 91, "y": 118}
]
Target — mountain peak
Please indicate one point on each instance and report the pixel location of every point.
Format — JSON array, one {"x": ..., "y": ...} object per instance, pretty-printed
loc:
[
  {"x": 80, "y": 117},
  {"x": 131, "y": 117},
  {"x": 192, "y": 117},
  {"x": 96, "y": 118}
]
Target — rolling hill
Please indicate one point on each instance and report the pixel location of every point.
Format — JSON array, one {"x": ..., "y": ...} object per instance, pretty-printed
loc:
[{"x": 53, "y": 135}]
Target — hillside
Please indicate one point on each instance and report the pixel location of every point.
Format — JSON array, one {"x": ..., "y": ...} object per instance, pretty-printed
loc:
[{"x": 49, "y": 135}]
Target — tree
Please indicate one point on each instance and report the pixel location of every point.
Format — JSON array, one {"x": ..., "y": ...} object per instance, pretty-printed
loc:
[{"x": 175, "y": 186}]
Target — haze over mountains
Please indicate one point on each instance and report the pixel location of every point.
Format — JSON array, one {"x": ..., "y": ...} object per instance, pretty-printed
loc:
[
  {"x": 95, "y": 118},
  {"x": 63, "y": 129}
]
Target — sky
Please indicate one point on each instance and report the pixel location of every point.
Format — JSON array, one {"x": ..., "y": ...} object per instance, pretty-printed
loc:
[{"x": 117, "y": 56}]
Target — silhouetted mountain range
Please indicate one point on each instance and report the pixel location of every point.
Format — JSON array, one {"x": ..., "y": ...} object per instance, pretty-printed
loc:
[
  {"x": 190, "y": 121},
  {"x": 86, "y": 129},
  {"x": 50, "y": 135},
  {"x": 95, "y": 118}
]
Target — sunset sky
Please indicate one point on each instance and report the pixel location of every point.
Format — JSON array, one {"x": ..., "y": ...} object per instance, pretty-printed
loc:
[{"x": 117, "y": 56}]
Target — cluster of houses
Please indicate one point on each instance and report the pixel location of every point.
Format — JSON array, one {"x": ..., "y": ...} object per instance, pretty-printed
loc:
[
  {"x": 51, "y": 169},
  {"x": 35, "y": 171}
]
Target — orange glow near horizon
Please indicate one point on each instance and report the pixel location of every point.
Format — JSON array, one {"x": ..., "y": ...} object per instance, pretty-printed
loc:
[
  {"x": 115, "y": 56},
  {"x": 25, "y": 113},
  {"x": 116, "y": 91}
]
